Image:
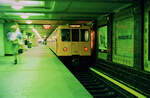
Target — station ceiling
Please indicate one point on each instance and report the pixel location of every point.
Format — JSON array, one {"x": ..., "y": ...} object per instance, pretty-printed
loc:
[
  {"x": 60, "y": 11},
  {"x": 56, "y": 12}
]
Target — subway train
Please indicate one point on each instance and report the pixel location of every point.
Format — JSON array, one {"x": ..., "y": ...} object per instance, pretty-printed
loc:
[{"x": 71, "y": 42}]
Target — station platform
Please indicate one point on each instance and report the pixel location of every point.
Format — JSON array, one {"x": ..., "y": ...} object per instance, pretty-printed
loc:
[{"x": 38, "y": 74}]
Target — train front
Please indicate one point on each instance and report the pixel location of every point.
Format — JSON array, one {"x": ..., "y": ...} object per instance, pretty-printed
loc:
[{"x": 74, "y": 40}]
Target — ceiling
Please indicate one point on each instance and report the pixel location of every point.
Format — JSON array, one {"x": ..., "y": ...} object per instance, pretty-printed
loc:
[
  {"x": 59, "y": 11},
  {"x": 56, "y": 12}
]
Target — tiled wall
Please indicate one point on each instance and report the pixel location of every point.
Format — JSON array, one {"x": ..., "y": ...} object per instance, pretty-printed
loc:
[
  {"x": 146, "y": 38},
  {"x": 2, "y": 51},
  {"x": 123, "y": 37}
]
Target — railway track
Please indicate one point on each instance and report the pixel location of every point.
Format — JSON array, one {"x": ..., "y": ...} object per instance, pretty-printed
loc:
[{"x": 100, "y": 87}]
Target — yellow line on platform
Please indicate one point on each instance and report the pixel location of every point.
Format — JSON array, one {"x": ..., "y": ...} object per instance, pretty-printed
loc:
[{"x": 135, "y": 93}]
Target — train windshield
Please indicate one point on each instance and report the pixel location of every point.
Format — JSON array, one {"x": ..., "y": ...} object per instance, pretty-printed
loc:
[
  {"x": 75, "y": 34},
  {"x": 65, "y": 34},
  {"x": 84, "y": 35}
]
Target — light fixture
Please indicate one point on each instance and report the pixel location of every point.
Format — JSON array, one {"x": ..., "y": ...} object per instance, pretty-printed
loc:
[
  {"x": 16, "y": 5},
  {"x": 24, "y": 16},
  {"x": 37, "y": 33},
  {"x": 23, "y": 2},
  {"x": 29, "y": 22},
  {"x": 64, "y": 49},
  {"x": 85, "y": 49}
]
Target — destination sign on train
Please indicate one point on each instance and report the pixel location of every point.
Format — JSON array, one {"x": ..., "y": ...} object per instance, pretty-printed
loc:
[{"x": 75, "y": 26}]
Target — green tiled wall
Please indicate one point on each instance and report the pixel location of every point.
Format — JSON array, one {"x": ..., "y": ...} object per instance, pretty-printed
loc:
[
  {"x": 2, "y": 51},
  {"x": 146, "y": 38},
  {"x": 123, "y": 37}
]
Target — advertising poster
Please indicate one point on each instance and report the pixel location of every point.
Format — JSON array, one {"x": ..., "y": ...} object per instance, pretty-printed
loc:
[{"x": 102, "y": 31}]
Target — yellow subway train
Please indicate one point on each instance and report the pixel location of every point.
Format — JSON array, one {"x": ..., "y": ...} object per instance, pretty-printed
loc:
[{"x": 71, "y": 40}]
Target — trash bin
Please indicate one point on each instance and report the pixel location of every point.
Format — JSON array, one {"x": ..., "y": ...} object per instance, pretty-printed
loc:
[{"x": 29, "y": 45}]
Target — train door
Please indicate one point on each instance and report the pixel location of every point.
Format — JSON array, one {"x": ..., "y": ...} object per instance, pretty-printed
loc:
[
  {"x": 75, "y": 42},
  {"x": 85, "y": 43}
]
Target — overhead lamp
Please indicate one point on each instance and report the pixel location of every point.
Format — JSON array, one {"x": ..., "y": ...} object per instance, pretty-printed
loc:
[
  {"x": 17, "y": 5},
  {"x": 24, "y": 16},
  {"x": 29, "y": 22}
]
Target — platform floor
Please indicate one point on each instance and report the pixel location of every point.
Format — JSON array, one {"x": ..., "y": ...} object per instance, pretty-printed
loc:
[{"x": 39, "y": 74}]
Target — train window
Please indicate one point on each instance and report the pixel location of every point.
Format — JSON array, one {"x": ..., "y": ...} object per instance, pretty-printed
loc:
[
  {"x": 65, "y": 34},
  {"x": 75, "y": 34},
  {"x": 84, "y": 35}
]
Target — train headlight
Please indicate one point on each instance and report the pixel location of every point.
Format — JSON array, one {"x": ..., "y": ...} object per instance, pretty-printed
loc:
[
  {"x": 85, "y": 49},
  {"x": 64, "y": 49}
]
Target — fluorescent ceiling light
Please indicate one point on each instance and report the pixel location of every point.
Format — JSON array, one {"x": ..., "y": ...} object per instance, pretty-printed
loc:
[
  {"x": 6, "y": 2},
  {"x": 29, "y": 14},
  {"x": 28, "y": 21},
  {"x": 24, "y": 16},
  {"x": 17, "y": 7},
  {"x": 23, "y": 3},
  {"x": 37, "y": 14},
  {"x": 32, "y": 3}
]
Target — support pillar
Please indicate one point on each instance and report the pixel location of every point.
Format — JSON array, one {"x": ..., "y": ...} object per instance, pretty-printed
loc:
[
  {"x": 95, "y": 51},
  {"x": 139, "y": 35},
  {"x": 110, "y": 37}
]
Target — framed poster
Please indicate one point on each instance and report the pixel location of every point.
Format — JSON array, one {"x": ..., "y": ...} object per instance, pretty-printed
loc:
[{"x": 102, "y": 38}]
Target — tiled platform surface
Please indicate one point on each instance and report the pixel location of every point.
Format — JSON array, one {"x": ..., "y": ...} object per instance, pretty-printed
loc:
[{"x": 39, "y": 74}]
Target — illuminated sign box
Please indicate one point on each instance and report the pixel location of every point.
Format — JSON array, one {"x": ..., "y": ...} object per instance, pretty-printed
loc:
[{"x": 46, "y": 27}]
